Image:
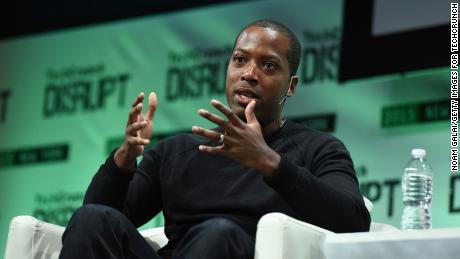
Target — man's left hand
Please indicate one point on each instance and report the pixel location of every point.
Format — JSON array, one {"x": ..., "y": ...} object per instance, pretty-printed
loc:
[{"x": 241, "y": 141}]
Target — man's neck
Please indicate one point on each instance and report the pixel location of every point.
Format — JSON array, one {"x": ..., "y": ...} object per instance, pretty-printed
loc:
[{"x": 272, "y": 127}]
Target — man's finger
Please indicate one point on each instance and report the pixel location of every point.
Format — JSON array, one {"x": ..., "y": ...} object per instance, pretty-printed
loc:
[
  {"x": 134, "y": 113},
  {"x": 227, "y": 112},
  {"x": 211, "y": 150},
  {"x": 138, "y": 141},
  {"x": 212, "y": 117},
  {"x": 206, "y": 133},
  {"x": 138, "y": 99},
  {"x": 249, "y": 112},
  {"x": 133, "y": 128},
  {"x": 152, "y": 106}
]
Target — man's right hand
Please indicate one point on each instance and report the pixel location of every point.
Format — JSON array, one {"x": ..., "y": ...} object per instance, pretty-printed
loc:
[{"x": 138, "y": 132}]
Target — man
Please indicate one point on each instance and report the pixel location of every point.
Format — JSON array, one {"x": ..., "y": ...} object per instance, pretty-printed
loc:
[{"x": 213, "y": 186}]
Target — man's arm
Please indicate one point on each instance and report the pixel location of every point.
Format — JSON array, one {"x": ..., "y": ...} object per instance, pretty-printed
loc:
[
  {"x": 109, "y": 185},
  {"x": 119, "y": 183},
  {"x": 327, "y": 194}
]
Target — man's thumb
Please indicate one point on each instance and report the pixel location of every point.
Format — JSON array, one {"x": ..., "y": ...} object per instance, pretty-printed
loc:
[{"x": 249, "y": 112}]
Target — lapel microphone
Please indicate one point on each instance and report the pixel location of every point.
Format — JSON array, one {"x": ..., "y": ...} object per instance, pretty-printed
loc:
[
  {"x": 286, "y": 96},
  {"x": 282, "y": 100}
]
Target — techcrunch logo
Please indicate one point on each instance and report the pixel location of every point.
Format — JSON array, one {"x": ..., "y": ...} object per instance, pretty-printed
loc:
[
  {"x": 73, "y": 89},
  {"x": 454, "y": 87},
  {"x": 56, "y": 207},
  {"x": 197, "y": 73}
]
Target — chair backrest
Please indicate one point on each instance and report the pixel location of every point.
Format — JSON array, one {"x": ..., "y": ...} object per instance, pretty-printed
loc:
[
  {"x": 155, "y": 237},
  {"x": 375, "y": 226},
  {"x": 29, "y": 237},
  {"x": 368, "y": 204}
]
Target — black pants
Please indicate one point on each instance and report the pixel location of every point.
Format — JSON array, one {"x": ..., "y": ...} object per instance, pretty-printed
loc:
[{"x": 97, "y": 231}]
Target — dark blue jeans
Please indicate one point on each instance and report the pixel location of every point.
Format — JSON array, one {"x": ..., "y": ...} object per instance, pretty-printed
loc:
[{"x": 97, "y": 231}]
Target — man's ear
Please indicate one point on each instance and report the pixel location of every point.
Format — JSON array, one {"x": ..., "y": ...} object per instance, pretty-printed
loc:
[{"x": 292, "y": 85}]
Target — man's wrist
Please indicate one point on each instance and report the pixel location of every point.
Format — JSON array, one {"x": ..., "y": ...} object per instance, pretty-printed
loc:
[
  {"x": 269, "y": 163},
  {"x": 122, "y": 161}
]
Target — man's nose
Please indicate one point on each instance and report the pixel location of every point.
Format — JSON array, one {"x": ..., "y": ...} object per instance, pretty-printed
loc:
[{"x": 250, "y": 73}]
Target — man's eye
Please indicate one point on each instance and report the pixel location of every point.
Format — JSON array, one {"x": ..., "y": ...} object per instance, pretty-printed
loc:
[
  {"x": 270, "y": 66},
  {"x": 238, "y": 59}
]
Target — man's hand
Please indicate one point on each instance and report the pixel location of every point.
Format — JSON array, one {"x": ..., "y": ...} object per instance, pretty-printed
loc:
[
  {"x": 242, "y": 141},
  {"x": 138, "y": 132}
]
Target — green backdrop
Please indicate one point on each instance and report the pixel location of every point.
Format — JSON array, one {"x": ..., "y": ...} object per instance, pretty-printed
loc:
[{"x": 65, "y": 96}]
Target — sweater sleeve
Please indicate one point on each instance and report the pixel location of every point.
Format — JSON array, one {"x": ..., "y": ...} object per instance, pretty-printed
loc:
[
  {"x": 135, "y": 194},
  {"x": 326, "y": 193}
]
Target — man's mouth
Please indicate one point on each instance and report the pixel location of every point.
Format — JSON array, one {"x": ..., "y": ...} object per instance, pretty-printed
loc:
[{"x": 244, "y": 96}]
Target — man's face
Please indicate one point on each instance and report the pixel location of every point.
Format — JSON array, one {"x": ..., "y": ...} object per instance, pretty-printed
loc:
[{"x": 259, "y": 70}]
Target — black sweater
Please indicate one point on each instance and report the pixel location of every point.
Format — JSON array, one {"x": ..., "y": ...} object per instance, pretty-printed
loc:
[{"x": 315, "y": 183}]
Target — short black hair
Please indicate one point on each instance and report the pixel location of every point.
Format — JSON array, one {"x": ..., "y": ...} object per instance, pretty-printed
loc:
[{"x": 294, "y": 52}]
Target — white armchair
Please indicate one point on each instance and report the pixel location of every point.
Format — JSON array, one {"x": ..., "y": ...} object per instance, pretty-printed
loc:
[
  {"x": 30, "y": 238},
  {"x": 282, "y": 237},
  {"x": 278, "y": 237}
]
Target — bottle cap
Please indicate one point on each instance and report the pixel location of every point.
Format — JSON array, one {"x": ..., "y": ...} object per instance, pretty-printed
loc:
[{"x": 418, "y": 152}]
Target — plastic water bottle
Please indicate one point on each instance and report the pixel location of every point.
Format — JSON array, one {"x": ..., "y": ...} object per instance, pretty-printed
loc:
[{"x": 417, "y": 185}]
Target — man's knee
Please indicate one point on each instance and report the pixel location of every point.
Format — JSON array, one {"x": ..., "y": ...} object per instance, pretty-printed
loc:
[
  {"x": 221, "y": 228},
  {"x": 216, "y": 238},
  {"x": 94, "y": 215}
]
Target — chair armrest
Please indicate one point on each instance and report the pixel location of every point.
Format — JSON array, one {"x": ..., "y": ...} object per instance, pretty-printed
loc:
[
  {"x": 379, "y": 227},
  {"x": 30, "y": 238},
  {"x": 155, "y": 237},
  {"x": 282, "y": 237}
]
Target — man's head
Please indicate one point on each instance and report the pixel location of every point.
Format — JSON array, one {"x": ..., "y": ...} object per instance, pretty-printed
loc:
[
  {"x": 293, "y": 54},
  {"x": 262, "y": 67}
]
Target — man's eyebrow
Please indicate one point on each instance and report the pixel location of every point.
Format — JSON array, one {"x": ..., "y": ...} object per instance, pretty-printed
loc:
[
  {"x": 240, "y": 50},
  {"x": 272, "y": 57}
]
